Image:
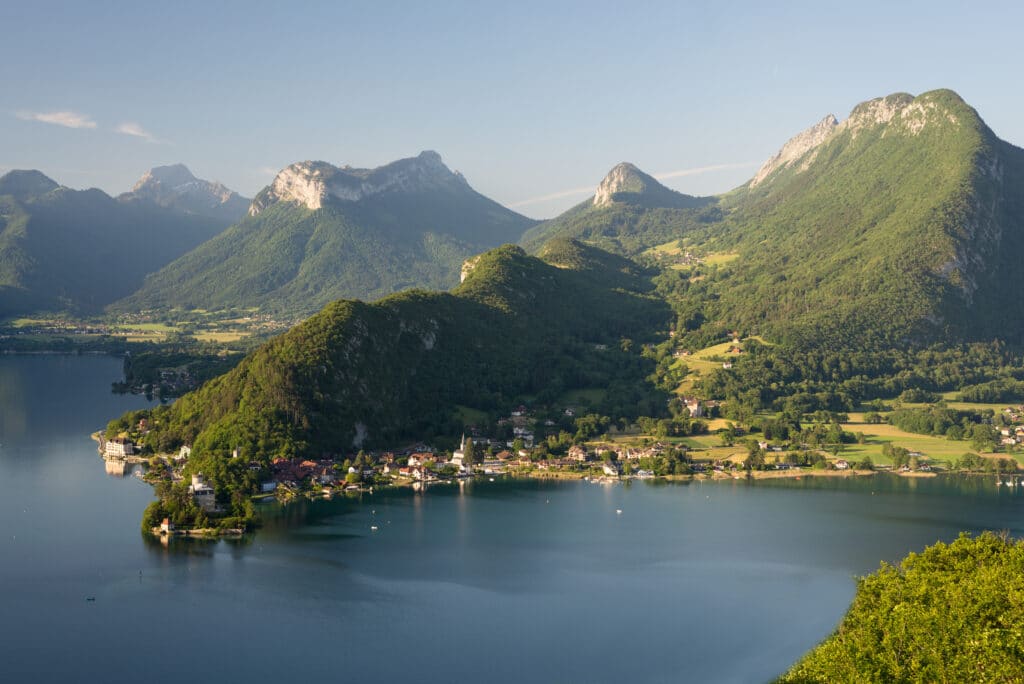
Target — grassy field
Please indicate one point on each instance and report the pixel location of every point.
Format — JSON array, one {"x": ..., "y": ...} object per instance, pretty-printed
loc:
[
  {"x": 225, "y": 336},
  {"x": 162, "y": 328},
  {"x": 720, "y": 258},
  {"x": 699, "y": 362},
  {"x": 470, "y": 416},
  {"x": 591, "y": 396},
  {"x": 670, "y": 248},
  {"x": 935, "y": 448}
]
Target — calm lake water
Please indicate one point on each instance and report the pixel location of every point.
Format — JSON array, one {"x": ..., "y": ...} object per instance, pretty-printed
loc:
[{"x": 495, "y": 582}]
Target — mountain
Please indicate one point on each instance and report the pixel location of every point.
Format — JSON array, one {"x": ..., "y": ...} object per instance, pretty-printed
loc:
[
  {"x": 175, "y": 187},
  {"x": 902, "y": 224},
  {"x": 23, "y": 185},
  {"x": 359, "y": 374},
  {"x": 629, "y": 212},
  {"x": 321, "y": 232},
  {"x": 77, "y": 251}
]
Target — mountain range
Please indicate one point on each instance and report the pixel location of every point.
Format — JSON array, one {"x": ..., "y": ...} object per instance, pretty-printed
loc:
[
  {"x": 321, "y": 232},
  {"x": 897, "y": 225},
  {"x": 81, "y": 250},
  {"x": 896, "y": 228}
]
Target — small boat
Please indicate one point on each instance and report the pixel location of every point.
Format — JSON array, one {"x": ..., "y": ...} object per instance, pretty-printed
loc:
[
  {"x": 373, "y": 528},
  {"x": 90, "y": 598},
  {"x": 618, "y": 511}
]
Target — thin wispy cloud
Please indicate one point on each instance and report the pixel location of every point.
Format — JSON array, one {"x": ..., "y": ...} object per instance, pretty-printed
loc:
[
  {"x": 553, "y": 196},
  {"x": 665, "y": 175},
  {"x": 703, "y": 169},
  {"x": 136, "y": 131},
  {"x": 68, "y": 119}
]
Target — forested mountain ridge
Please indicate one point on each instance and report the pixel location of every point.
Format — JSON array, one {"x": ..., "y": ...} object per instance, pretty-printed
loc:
[
  {"x": 78, "y": 250},
  {"x": 321, "y": 232},
  {"x": 901, "y": 224},
  {"x": 359, "y": 374}
]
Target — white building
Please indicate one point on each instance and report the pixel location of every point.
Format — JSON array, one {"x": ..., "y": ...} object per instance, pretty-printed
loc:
[
  {"x": 459, "y": 457},
  {"x": 203, "y": 493},
  {"x": 119, "y": 447}
]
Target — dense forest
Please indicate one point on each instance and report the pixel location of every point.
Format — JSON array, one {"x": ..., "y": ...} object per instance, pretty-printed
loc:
[
  {"x": 360, "y": 374},
  {"x": 951, "y": 613}
]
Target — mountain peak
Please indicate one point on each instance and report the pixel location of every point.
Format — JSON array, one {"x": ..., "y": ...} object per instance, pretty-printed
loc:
[
  {"x": 900, "y": 113},
  {"x": 170, "y": 176},
  {"x": 25, "y": 183},
  {"x": 623, "y": 178},
  {"x": 175, "y": 187},
  {"x": 903, "y": 113},
  {"x": 625, "y": 184},
  {"x": 311, "y": 183}
]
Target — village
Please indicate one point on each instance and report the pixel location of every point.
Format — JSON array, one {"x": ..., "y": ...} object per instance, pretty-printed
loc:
[{"x": 533, "y": 446}]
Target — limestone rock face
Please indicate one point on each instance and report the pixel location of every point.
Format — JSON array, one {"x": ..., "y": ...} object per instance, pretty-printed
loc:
[
  {"x": 624, "y": 177},
  {"x": 311, "y": 183},
  {"x": 899, "y": 113},
  {"x": 796, "y": 147}
]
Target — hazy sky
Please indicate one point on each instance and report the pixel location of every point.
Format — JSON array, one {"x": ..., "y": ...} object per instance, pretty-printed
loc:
[{"x": 529, "y": 100}]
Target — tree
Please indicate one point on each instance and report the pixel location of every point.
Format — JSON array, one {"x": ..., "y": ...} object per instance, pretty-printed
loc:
[
  {"x": 468, "y": 453},
  {"x": 941, "y": 615}
]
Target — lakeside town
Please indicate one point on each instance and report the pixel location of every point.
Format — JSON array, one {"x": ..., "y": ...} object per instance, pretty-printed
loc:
[{"x": 532, "y": 446}]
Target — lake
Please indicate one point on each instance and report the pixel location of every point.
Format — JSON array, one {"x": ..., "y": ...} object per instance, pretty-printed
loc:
[{"x": 508, "y": 581}]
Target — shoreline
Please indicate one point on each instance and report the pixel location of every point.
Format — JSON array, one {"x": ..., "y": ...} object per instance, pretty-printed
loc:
[{"x": 203, "y": 532}]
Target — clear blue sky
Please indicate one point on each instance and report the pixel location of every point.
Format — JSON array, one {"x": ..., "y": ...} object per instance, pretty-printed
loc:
[{"x": 526, "y": 99}]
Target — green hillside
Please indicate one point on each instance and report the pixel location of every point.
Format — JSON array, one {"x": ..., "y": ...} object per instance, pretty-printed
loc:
[
  {"x": 372, "y": 232},
  {"x": 360, "y": 374},
  {"x": 77, "y": 251},
  {"x": 902, "y": 226}
]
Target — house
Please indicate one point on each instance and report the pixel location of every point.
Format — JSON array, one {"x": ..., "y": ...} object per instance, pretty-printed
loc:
[
  {"x": 419, "y": 459},
  {"x": 727, "y": 365},
  {"x": 570, "y": 411},
  {"x": 694, "y": 407},
  {"x": 268, "y": 487},
  {"x": 203, "y": 493},
  {"x": 119, "y": 447},
  {"x": 578, "y": 453},
  {"x": 166, "y": 527},
  {"x": 842, "y": 464},
  {"x": 610, "y": 470},
  {"x": 519, "y": 412},
  {"x": 183, "y": 453}
]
